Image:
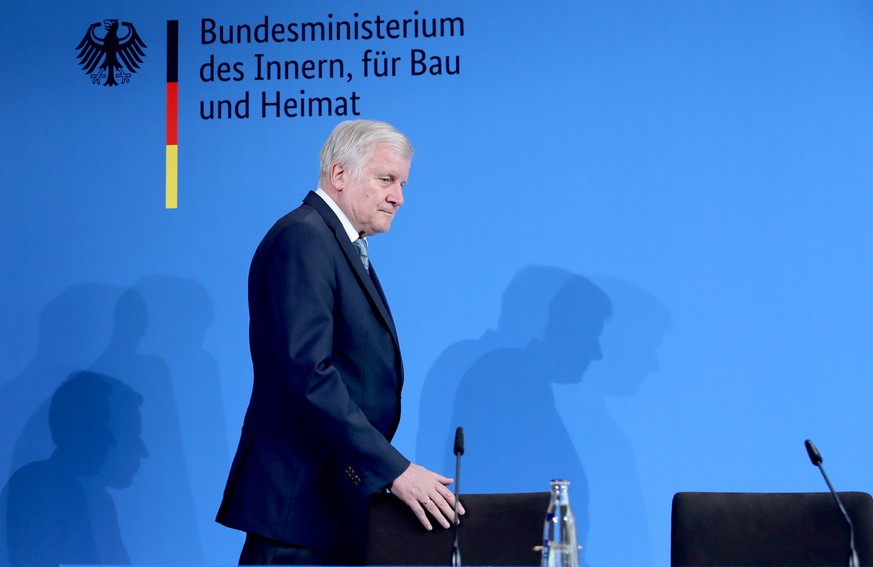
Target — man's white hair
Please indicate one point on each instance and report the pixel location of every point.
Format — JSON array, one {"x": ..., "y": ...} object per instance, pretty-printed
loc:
[{"x": 353, "y": 142}]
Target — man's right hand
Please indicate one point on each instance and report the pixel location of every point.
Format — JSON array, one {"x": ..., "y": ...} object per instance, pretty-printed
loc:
[{"x": 426, "y": 493}]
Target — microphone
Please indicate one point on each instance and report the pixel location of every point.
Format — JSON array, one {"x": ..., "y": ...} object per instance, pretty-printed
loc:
[
  {"x": 459, "y": 441},
  {"x": 459, "y": 450},
  {"x": 816, "y": 459}
]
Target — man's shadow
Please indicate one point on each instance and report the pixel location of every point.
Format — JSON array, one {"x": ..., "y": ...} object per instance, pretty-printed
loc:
[
  {"x": 73, "y": 328},
  {"x": 532, "y": 397},
  {"x": 523, "y": 314},
  {"x": 108, "y": 329},
  {"x": 58, "y": 510},
  {"x": 593, "y": 412},
  {"x": 192, "y": 440},
  {"x": 516, "y": 440}
]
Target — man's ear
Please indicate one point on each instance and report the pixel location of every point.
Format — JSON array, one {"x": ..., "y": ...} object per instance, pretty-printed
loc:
[{"x": 338, "y": 176}]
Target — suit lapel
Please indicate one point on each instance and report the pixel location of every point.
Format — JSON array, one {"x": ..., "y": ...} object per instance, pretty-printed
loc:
[
  {"x": 378, "y": 286},
  {"x": 370, "y": 284}
]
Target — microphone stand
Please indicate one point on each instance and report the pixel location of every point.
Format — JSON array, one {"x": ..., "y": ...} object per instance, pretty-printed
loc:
[
  {"x": 816, "y": 459},
  {"x": 459, "y": 450}
]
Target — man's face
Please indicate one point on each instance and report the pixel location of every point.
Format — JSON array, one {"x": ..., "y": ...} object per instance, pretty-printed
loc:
[{"x": 372, "y": 200}]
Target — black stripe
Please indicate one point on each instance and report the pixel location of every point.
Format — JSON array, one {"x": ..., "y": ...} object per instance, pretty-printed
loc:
[{"x": 172, "y": 51}]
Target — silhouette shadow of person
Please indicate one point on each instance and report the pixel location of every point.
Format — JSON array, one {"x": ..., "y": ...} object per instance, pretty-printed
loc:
[
  {"x": 73, "y": 330},
  {"x": 516, "y": 440},
  {"x": 58, "y": 509},
  {"x": 192, "y": 445},
  {"x": 160, "y": 507},
  {"x": 523, "y": 315},
  {"x": 595, "y": 412}
]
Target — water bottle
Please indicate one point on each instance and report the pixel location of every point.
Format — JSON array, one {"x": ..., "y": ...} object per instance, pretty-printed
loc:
[{"x": 560, "y": 544}]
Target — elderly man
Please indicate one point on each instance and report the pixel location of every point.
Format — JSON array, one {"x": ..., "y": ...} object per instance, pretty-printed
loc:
[{"x": 325, "y": 402}]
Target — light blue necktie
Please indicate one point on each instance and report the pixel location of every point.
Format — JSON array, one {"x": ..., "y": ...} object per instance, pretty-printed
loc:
[{"x": 363, "y": 252}]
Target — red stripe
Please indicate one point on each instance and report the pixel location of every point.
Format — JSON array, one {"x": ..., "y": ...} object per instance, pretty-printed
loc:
[{"x": 172, "y": 114}]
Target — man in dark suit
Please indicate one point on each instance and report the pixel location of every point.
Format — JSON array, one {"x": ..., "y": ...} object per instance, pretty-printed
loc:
[{"x": 325, "y": 402}]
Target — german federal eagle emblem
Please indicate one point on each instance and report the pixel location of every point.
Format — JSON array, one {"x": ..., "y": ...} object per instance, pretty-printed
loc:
[{"x": 112, "y": 59}]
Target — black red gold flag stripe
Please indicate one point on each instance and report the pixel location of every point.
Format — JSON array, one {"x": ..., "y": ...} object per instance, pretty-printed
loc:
[{"x": 172, "y": 183}]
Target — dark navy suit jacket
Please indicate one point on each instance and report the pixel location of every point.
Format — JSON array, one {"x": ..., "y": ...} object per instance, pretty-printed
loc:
[{"x": 325, "y": 403}]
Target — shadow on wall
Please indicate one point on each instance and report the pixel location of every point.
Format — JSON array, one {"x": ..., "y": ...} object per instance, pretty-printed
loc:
[
  {"x": 73, "y": 329},
  {"x": 522, "y": 319},
  {"x": 157, "y": 518},
  {"x": 191, "y": 430},
  {"x": 553, "y": 334},
  {"x": 618, "y": 533},
  {"x": 58, "y": 510}
]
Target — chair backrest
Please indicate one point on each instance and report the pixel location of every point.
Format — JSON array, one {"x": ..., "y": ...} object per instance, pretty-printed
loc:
[
  {"x": 497, "y": 529},
  {"x": 721, "y": 529}
]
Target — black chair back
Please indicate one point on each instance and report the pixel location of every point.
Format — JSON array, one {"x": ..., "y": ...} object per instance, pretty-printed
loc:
[
  {"x": 497, "y": 529},
  {"x": 742, "y": 529}
]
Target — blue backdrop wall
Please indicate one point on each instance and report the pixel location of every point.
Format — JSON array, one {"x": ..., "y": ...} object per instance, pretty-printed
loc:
[{"x": 635, "y": 252}]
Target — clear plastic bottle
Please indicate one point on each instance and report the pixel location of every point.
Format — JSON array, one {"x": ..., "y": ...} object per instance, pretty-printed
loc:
[{"x": 560, "y": 542}]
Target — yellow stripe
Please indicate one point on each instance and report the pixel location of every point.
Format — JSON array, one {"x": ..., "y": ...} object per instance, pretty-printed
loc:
[{"x": 172, "y": 196}]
